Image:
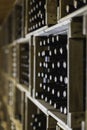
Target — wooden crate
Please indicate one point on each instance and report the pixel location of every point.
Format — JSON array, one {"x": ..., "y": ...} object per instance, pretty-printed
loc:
[
  {"x": 50, "y": 15},
  {"x": 24, "y": 64},
  {"x": 62, "y": 7},
  {"x": 38, "y": 50},
  {"x": 32, "y": 109},
  {"x": 20, "y": 106},
  {"x": 76, "y": 75}
]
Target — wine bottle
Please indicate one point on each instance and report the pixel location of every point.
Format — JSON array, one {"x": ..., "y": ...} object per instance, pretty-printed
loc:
[
  {"x": 63, "y": 109},
  {"x": 53, "y": 100},
  {"x": 70, "y": 8},
  {"x": 38, "y": 94},
  {"x": 78, "y": 4},
  {"x": 48, "y": 97}
]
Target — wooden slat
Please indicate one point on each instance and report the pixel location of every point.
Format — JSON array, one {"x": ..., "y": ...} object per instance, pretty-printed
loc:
[
  {"x": 51, "y": 10},
  {"x": 76, "y": 76},
  {"x": 76, "y": 119},
  {"x": 51, "y": 123},
  {"x": 31, "y": 57},
  {"x": 62, "y": 6}
]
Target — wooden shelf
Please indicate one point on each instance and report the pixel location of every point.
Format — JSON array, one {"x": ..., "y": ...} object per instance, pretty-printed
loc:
[
  {"x": 22, "y": 87},
  {"x": 74, "y": 43},
  {"x": 37, "y": 103}
]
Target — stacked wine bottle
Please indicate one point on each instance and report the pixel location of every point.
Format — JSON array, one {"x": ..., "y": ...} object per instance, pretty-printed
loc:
[
  {"x": 38, "y": 121},
  {"x": 76, "y": 4},
  {"x": 10, "y": 94},
  {"x": 36, "y": 14},
  {"x": 18, "y": 22},
  {"x": 14, "y": 62},
  {"x": 52, "y": 64},
  {"x": 9, "y": 26},
  {"x": 24, "y": 64}
]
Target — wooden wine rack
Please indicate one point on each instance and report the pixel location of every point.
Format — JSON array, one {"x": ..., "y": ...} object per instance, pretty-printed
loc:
[{"x": 15, "y": 35}]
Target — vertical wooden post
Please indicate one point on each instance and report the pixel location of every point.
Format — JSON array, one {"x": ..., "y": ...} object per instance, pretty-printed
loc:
[{"x": 76, "y": 82}]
